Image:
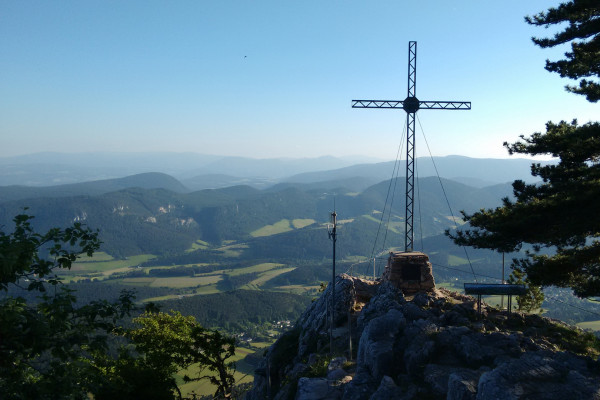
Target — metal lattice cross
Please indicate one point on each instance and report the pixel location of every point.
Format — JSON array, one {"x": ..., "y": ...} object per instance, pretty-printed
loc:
[{"x": 411, "y": 105}]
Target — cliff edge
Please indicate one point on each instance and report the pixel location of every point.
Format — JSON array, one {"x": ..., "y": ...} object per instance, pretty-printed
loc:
[{"x": 433, "y": 345}]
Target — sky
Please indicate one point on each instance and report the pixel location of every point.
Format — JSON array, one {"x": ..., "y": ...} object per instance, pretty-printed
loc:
[{"x": 270, "y": 79}]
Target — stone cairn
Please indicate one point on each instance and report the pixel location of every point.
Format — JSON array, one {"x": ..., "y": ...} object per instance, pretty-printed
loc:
[{"x": 410, "y": 272}]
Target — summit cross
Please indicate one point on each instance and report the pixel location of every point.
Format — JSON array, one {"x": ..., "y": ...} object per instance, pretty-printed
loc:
[{"x": 411, "y": 104}]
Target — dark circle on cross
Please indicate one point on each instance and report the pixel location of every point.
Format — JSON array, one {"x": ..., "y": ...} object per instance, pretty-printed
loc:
[{"x": 410, "y": 104}]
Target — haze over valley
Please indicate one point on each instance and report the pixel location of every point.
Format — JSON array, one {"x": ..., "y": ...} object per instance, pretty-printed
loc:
[{"x": 200, "y": 226}]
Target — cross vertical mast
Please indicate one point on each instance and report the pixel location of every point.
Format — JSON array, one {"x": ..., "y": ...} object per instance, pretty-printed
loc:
[
  {"x": 410, "y": 146},
  {"x": 411, "y": 105}
]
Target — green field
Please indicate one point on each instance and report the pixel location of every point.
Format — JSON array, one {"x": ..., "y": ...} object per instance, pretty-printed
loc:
[
  {"x": 233, "y": 250},
  {"x": 302, "y": 223},
  {"x": 454, "y": 286},
  {"x": 593, "y": 325},
  {"x": 198, "y": 245},
  {"x": 371, "y": 218},
  {"x": 266, "y": 276},
  {"x": 98, "y": 256},
  {"x": 255, "y": 268},
  {"x": 454, "y": 261},
  {"x": 186, "y": 281},
  {"x": 296, "y": 289},
  {"x": 108, "y": 267},
  {"x": 269, "y": 230}
]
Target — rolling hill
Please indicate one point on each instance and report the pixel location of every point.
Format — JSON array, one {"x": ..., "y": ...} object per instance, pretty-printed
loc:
[
  {"x": 165, "y": 222},
  {"x": 479, "y": 172},
  {"x": 149, "y": 180}
]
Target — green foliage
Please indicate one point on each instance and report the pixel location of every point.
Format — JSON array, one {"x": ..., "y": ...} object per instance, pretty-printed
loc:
[
  {"x": 233, "y": 282},
  {"x": 574, "y": 340},
  {"x": 583, "y": 32},
  {"x": 319, "y": 368},
  {"x": 533, "y": 299},
  {"x": 240, "y": 309},
  {"x": 559, "y": 217},
  {"x": 47, "y": 350},
  {"x": 167, "y": 343},
  {"x": 20, "y": 251},
  {"x": 52, "y": 349}
]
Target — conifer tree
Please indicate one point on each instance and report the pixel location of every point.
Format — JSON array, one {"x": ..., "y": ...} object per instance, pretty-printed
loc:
[
  {"x": 558, "y": 218},
  {"x": 533, "y": 299},
  {"x": 583, "y": 32}
]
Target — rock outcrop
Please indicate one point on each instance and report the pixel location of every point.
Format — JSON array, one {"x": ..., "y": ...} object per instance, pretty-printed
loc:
[{"x": 433, "y": 345}]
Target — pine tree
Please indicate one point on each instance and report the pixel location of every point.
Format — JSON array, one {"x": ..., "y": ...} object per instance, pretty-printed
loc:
[
  {"x": 533, "y": 299},
  {"x": 583, "y": 32},
  {"x": 560, "y": 217}
]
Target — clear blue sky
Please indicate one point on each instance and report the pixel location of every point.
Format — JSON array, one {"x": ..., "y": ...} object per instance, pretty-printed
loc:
[{"x": 271, "y": 78}]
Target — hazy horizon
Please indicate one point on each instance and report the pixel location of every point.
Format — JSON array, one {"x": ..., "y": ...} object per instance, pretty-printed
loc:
[
  {"x": 269, "y": 79},
  {"x": 350, "y": 157}
]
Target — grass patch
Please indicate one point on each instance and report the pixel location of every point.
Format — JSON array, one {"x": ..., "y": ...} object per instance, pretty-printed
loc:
[
  {"x": 233, "y": 251},
  {"x": 302, "y": 223},
  {"x": 269, "y": 230},
  {"x": 96, "y": 257},
  {"x": 295, "y": 289},
  {"x": 143, "y": 281},
  {"x": 179, "y": 282},
  {"x": 453, "y": 286},
  {"x": 264, "y": 267},
  {"x": 262, "y": 345},
  {"x": 585, "y": 343},
  {"x": 242, "y": 271},
  {"x": 593, "y": 325},
  {"x": 371, "y": 218},
  {"x": 267, "y": 276},
  {"x": 198, "y": 245},
  {"x": 108, "y": 267},
  {"x": 454, "y": 261}
]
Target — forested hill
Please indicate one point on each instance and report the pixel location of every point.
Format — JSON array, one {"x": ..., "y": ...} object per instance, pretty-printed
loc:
[
  {"x": 162, "y": 222},
  {"x": 149, "y": 180}
]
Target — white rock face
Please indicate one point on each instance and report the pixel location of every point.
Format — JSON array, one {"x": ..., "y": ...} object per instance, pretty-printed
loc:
[{"x": 434, "y": 345}]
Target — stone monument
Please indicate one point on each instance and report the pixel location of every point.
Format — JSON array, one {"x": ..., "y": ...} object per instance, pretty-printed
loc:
[{"x": 411, "y": 272}]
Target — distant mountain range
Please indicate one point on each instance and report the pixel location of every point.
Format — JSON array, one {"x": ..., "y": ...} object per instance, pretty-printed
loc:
[
  {"x": 275, "y": 215},
  {"x": 199, "y": 171},
  {"x": 149, "y": 180},
  {"x": 46, "y": 169},
  {"x": 154, "y": 213}
]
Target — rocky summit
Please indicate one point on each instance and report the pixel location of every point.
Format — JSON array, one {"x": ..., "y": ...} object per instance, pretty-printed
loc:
[{"x": 433, "y": 345}]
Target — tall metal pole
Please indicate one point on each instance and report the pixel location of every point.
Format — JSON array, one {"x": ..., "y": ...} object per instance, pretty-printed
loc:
[
  {"x": 411, "y": 104},
  {"x": 333, "y": 237},
  {"x": 502, "y": 297}
]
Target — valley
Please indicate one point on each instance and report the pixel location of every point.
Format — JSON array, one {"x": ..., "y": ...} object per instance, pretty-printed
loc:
[{"x": 244, "y": 259}]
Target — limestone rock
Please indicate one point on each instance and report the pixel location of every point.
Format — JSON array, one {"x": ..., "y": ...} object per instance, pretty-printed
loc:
[
  {"x": 434, "y": 345},
  {"x": 388, "y": 390},
  {"x": 314, "y": 321},
  {"x": 376, "y": 347},
  {"x": 462, "y": 386},
  {"x": 316, "y": 389},
  {"x": 536, "y": 376}
]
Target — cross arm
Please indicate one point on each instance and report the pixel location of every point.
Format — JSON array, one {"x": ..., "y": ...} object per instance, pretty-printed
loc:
[
  {"x": 430, "y": 105},
  {"x": 377, "y": 104},
  {"x": 445, "y": 105}
]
